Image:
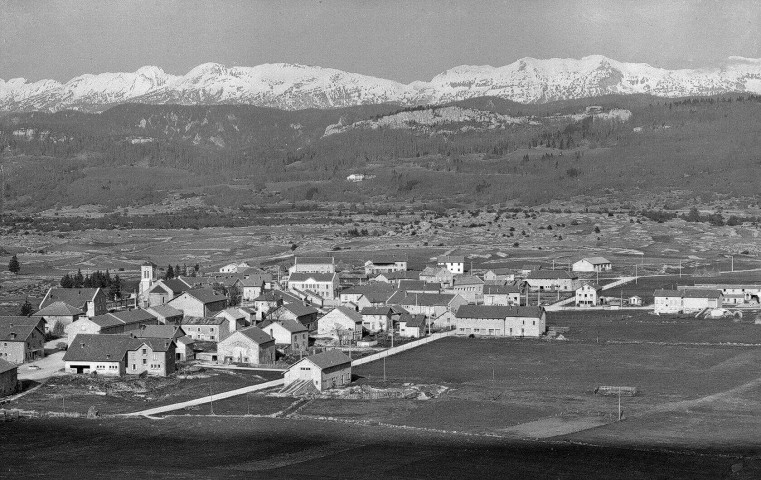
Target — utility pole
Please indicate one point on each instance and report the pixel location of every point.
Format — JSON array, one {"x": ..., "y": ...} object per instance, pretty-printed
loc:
[
  {"x": 384, "y": 368},
  {"x": 619, "y": 404},
  {"x": 733, "y": 262},
  {"x": 680, "y": 268},
  {"x": 211, "y": 400},
  {"x": 635, "y": 274}
]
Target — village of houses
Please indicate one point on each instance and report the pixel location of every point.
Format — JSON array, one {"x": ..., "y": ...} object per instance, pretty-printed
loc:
[{"x": 314, "y": 322}]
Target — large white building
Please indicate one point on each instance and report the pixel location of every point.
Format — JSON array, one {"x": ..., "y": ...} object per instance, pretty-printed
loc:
[
  {"x": 588, "y": 295},
  {"x": 313, "y": 265},
  {"x": 325, "y": 285},
  {"x": 686, "y": 301},
  {"x": 453, "y": 263}
]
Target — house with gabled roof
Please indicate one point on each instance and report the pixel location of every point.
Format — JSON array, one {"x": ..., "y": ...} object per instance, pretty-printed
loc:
[
  {"x": 469, "y": 287},
  {"x": 162, "y": 291},
  {"x": 431, "y": 305},
  {"x": 371, "y": 294},
  {"x": 312, "y": 265},
  {"x": 453, "y": 263},
  {"x": 234, "y": 267},
  {"x": 172, "y": 332},
  {"x": 166, "y": 314},
  {"x": 377, "y": 319},
  {"x": 588, "y": 295},
  {"x": 552, "y": 280},
  {"x": 686, "y": 300},
  {"x": 385, "y": 264},
  {"x": 8, "y": 378},
  {"x": 342, "y": 323},
  {"x": 58, "y": 312},
  {"x": 502, "y": 295},
  {"x": 592, "y": 264},
  {"x": 207, "y": 329},
  {"x": 22, "y": 339},
  {"x": 253, "y": 285},
  {"x": 250, "y": 345},
  {"x": 305, "y": 314},
  {"x": 499, "y": 274},
  {"x": 395, "y": 277},
  {"x": 324, "y": 285},
  {"x": 412, "y": 326},
  {"x": 92, "y": 301},
  {"x": 235, "y": 318},
  {"x": 419, "y": 286},
  {"x": 287, "y": 333},
  {"x": 199, "y": 302},
  {"x": 116, "y": 355},
  {"x": 437, "y": 274},
  {"x": 323, "y": 371},
  {"x": 501, "y": 321},
  {"x": 123, "y": 321}
]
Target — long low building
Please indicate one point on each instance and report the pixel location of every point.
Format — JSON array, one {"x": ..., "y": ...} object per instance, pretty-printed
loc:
[
  {"x": 500, "y": 321},
  {"x": 686, "y": 301}
]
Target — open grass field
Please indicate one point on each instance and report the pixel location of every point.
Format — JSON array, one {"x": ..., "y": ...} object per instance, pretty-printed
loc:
[{"x": 220, "y": 447}]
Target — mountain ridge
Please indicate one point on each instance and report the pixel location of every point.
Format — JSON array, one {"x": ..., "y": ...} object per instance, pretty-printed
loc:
[{"x": 295, "y": 87}]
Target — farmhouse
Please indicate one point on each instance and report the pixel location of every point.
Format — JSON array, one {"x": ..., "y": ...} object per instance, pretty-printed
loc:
[
  {"x": 312, "y": 265},
  {"x": 552, "y": 280},
  {"x": 117, "y": 322},
  {"x": 304, "y": 314},
  {"x": 469, "y": 287},
  {"x": 492, "y": 320},
  {"x": 250, "y": 345},
  {"x": 331, "y": 369},
  {"x": 253, "y": 286},
  {"x": 287, "y": 332},
  {"x": 412, "y": 326},
  {"x": 503, "y": 274},
  {"x": 588, "y": 295},
  {"x": 115, "y": 355},
  {"x": 22, "y": 339},
  {"x": 236, "y": 320},
  {"x": 58, "y": 312},
  {"x": 199, "y": 302},
  {"x": 386, "y": 264},
  {"x": 8, "y": 378},
  {"x": 686, "y": 301},
  {"x": 325, "y": 285},
  {"x": 210, "y": 329},
  {"x": 437, "y": 274},
  {"x": 166, "y": 314},
  {"x": 162, "y": 291},
  {"x": 92, "y": 301},
  {"x": 431, "y": 305},
  {"x": 502, "y": 295},
  {"x": 592, "y": 264},
  {"x": 376, "y": 319},
  {"x": 341, "y": 323}
]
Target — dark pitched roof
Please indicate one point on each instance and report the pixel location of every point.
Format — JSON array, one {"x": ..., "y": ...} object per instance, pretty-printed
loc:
[
  {"x": 159, "y": 288},
  {"x": 501, "y": 271},
  {"x": 159, "y": 331},
  {"x": 205, "y": 295},
  {"x": 353, "y": 315},
  {"x": 299, "y": 309},
  {"x": 20, "y": 320},
  {"x": 413, "y": 320},
  {"x": 177, "y": 285},
  {"x": 497, "y": 311},
  {"x": 317, "y": 277},
  {"x": 233, "y": 312},
  {"x": 165, "y": 311},
  {"x": 134, "y": 316},
  {"x": 700, "y": 293},
  {"x": 501, "y": 289},
  {"x": 331, "y": 358},
  {"x": 418, "y": 285},
  {"x": 59, "y": 309},
  {"x": 92, "y": 348},
  {"x": 256, "y": 280},
  {"x": 421, "y": 299},
  {"x": 596, "y": 260},
  {"x": 13, "y": 332},
  {"x": 550, "y": 275},
  {"x": 466, "y": 280},
  {"x": 155, "y": 344},
  {"x": 6, "y": 366},
  {"x": 73, "y": 296},
  {"x": 256, "y": 334},
  {"x": 106, "y": 320},
  {"x": 667, "y": 293},
  {"x": 376, "y": 311},
  {"x": 293, "y": 326}
]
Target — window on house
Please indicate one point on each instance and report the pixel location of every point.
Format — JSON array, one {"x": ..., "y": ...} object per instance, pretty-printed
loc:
[
  {"x": 145, "y": 361},
  {"x": 145, "y": 351}
]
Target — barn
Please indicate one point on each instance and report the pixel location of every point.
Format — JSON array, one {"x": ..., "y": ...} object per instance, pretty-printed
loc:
[{"x": 331, "y": 369}]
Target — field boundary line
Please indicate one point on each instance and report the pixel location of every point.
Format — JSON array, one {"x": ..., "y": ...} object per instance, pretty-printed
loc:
[{"x": 401, "y": 348}]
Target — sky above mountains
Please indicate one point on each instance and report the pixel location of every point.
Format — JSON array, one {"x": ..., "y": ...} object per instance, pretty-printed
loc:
[{"x": 394, "y": 39}]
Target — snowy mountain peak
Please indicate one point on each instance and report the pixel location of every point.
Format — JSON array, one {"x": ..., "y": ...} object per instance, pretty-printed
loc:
[{"x": 293, "y": 86}]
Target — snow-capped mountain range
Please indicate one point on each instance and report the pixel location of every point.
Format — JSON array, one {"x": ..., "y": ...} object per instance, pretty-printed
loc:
[{"x": 294, "y": 87}]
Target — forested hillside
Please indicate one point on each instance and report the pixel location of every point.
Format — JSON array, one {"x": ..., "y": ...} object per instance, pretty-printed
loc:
[{"x": 483, "y": 150}]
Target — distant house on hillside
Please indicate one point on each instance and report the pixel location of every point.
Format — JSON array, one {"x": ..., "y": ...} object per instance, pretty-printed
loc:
[
  {"x": 453, "y": 263},
  {"x": 386, "y": 264},
  {"x": 592, "y": 264},
  {"x": 234, "y": 267},
  {"x": 552, "y": 280},
  {"x": 92, "y": 301}
]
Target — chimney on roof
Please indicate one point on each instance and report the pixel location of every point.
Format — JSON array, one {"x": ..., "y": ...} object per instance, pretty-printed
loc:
[{"x": 82, "y": 345}]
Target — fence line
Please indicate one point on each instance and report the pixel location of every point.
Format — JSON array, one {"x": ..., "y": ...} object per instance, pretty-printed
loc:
[{"x": 401, "y": 348}]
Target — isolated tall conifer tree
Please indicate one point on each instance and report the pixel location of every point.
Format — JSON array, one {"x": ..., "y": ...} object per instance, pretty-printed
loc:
[{"x": 14, "y": 266}]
